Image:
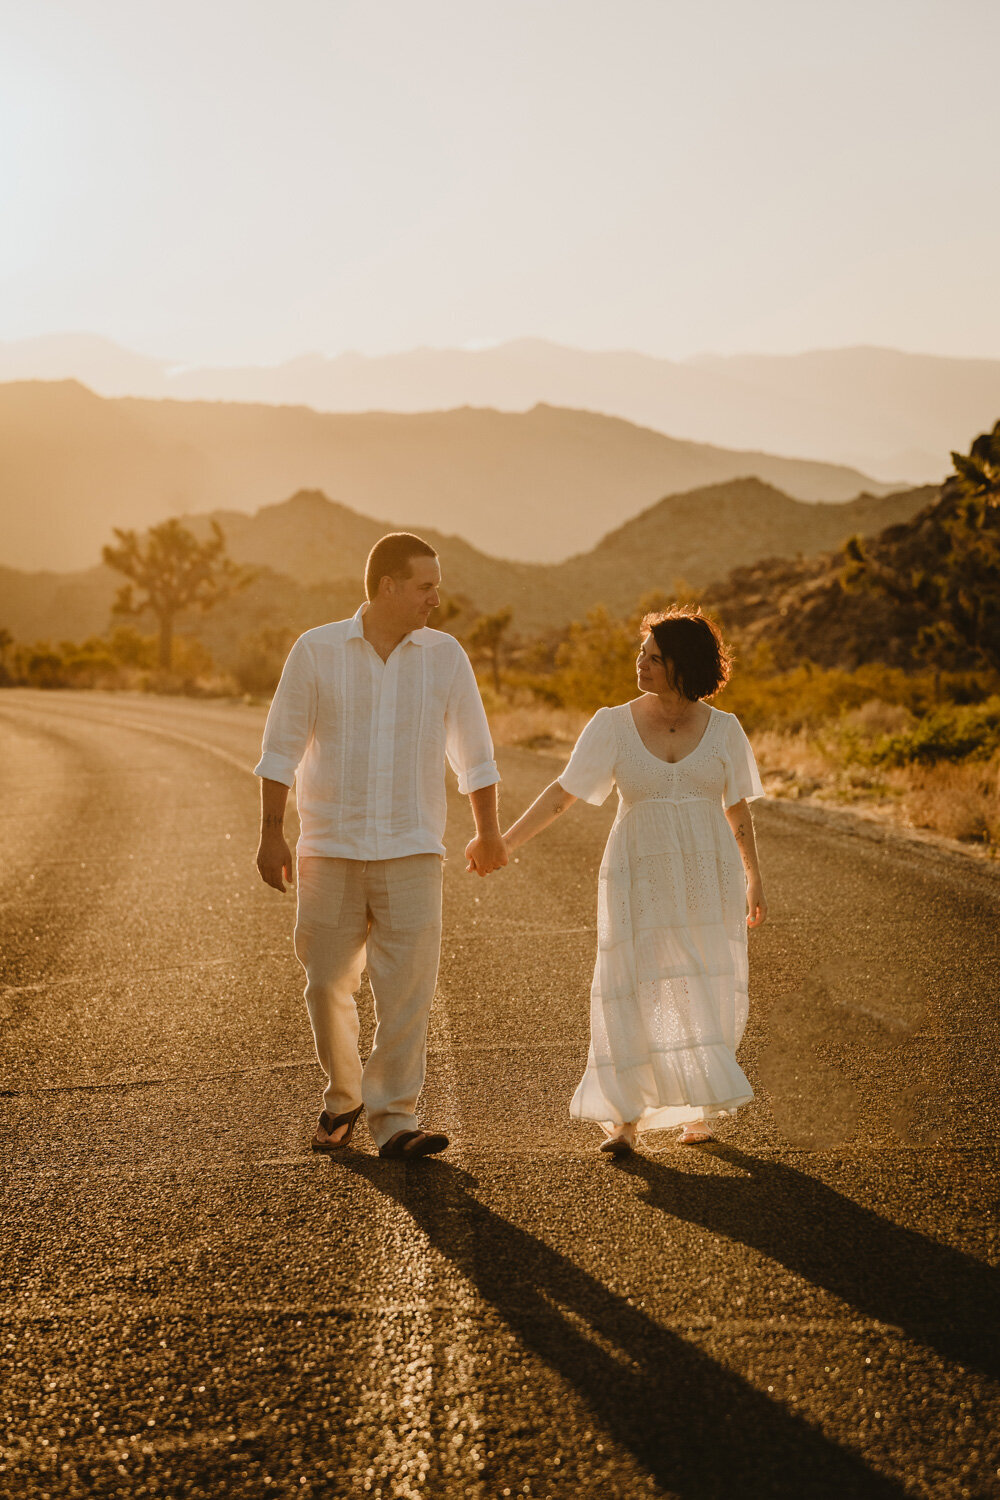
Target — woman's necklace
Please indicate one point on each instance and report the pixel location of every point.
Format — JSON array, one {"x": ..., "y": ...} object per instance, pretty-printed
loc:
[{"x": 673, "y": 727}]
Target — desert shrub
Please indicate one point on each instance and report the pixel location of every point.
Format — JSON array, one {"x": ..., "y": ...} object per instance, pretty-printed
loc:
[
  {"x": 131, "y": 649},
  {"x": 595, "y": 664},
  {"x": 110, "y": 661},
  {"x": 69, "y": 664},
  {"x": 193, "y": 672},
  {"x": 41, "y": 665},
  {"x": 951, "y": 733},
  {"x": 810, "y": 697},
  {"x": 876, "y": 717},
  {"x": 261, "y": 658},
  {"x": 88, "y": 663},
  {"x": 536, "y": 726},
  {"x": 961, "y": 801}
]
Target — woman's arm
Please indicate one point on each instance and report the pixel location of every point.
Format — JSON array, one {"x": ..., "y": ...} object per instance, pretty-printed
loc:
[
  {"x": 543, "y": 811},
  {"x": 740, "y": 821}
]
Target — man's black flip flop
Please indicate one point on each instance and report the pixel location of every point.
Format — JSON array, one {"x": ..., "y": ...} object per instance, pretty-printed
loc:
[{"x": 412, "y": 1143}]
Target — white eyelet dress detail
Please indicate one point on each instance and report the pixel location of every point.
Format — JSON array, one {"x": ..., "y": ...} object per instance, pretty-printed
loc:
[{"x": 668, "y": 1004}]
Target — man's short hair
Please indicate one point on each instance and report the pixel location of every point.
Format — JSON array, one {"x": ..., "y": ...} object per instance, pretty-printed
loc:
[{"x": 391, "y": 556}]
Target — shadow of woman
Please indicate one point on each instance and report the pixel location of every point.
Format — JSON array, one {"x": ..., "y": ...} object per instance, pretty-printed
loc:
[
  {"x": 936, "y": 1295},
  {"x": 696, "y": 1426}
]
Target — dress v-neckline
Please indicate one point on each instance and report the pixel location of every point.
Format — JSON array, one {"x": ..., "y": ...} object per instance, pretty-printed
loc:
[{"x": 652, "y": 753}]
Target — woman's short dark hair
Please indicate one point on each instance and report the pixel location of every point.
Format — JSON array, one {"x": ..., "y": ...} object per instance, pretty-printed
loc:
[
  {"x": 693, "y": 651},
  {"x": 391, "y": 555}
]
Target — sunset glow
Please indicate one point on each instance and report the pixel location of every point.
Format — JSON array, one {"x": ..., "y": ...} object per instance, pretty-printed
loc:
[{"x": 243, "y": 182}]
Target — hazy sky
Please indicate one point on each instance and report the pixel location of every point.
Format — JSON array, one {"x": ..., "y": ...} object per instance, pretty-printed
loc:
[{"x": 244, "y": 180}]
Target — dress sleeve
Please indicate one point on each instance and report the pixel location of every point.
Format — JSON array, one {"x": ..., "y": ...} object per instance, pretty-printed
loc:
[
  {"x": 590, "y": 773},
  {"x": 742, "y": 777}
]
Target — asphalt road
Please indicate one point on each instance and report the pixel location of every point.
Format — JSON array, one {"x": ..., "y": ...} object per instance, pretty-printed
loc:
[{"x": 194, "y": 1305}]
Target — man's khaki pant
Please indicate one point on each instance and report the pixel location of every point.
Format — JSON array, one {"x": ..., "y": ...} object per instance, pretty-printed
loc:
[{"x": 386, "y": 912}]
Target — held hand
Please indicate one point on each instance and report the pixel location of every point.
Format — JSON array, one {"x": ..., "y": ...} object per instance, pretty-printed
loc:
[
  {"x": 274, "y": 859},
  {"x": 757, "y": 906},
  {"x": 485, "y": 853}
]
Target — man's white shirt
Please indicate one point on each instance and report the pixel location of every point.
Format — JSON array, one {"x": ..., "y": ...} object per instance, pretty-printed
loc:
[{"x": 365, "y": 741}]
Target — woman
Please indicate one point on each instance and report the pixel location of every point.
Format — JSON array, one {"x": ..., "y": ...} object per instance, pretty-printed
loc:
[{"x": 669, "y": 997}]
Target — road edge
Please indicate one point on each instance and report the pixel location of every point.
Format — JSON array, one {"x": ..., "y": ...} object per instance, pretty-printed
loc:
[{"x": 934, "y": 847}]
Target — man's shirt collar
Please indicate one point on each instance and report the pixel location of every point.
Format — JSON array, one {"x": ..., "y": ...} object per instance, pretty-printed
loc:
[{"x": 355, "y": 630}]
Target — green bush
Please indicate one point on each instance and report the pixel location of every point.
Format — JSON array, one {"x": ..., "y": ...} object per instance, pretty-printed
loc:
[
  {"x": 122, "y": 659},
  {"x": 813, "y": 698},
  {"x": 950, "y": 733}
]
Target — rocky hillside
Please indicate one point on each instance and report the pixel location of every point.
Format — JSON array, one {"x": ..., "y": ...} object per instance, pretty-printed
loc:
[
  {"x": 802, "y": 609},
  {"x": 695, "y": 538},
  {"x": 309, "y": 553}
]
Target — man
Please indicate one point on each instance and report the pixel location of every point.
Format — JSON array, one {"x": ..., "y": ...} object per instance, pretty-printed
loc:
[{"x": 365, "y": 713}]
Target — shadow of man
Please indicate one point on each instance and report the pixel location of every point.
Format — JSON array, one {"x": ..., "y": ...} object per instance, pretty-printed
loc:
[
  {"x": 936, "y": 1295},
  {"x": 696, "y": 1426}
]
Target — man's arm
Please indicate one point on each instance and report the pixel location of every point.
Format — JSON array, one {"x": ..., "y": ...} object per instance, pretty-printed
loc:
[
  {"x": 274, "y": 858},
  {"x": 469, "y": 749},
  {"x": 486, "y": 852},
  {"x": 288, "y": 730}
]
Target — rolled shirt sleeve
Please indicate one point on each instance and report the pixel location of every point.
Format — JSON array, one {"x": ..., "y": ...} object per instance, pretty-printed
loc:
[
  {"x": 468, "y": 744},
  {"x": 742, "y": 777},
  {"x": 291, "y": 717},
  {"x": 590, "y": 773}
]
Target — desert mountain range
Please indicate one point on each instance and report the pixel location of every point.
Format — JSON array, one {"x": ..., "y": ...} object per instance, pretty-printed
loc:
[
  {"x": 891, "y": 414},
  {"x": 536, "y": 486},
  {"x": 311, "y": 551}
]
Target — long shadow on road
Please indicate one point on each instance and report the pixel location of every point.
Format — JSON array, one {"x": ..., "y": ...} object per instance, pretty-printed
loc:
[
  {"x": 698, "y": 1428},
  {"x": 937, "y": 1296}
]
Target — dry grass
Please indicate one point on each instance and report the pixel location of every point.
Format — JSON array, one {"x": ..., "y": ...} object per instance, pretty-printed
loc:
[
  {"x": 791, "y": 765},
  {"x": 877, "y": 717},
  {"x": 958, "y": 801},
  {"x": 536, "y": 726}
]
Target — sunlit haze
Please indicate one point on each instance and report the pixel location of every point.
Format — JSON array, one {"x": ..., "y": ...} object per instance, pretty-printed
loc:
[{"x": 246, "y": 182}]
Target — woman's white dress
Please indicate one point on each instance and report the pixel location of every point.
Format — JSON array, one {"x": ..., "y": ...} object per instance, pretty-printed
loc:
[{"x": 668, "y": 1003}]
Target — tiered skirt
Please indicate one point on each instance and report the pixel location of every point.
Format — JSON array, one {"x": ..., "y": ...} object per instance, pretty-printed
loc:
[{"x": 668, "y": 1003}]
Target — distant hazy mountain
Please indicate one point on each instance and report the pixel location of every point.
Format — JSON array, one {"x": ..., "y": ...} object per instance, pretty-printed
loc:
[
  {"x": 96, "y": 362},
  {"x": 57, "y": 606},
  {"x": 894, "y": 415},
  {"x": 313, "y": 551},
  {"x": 537, "y": 486},
  {"x": 904, "y": 412}
]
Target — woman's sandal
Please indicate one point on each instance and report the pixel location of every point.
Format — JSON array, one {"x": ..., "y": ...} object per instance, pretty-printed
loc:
[
  {"x": 329, "y": 1123},
  {"x": 616, "y": 1145},
  {"x": 696, "y": 1134},
  {"x": 406, "y": 1144}
]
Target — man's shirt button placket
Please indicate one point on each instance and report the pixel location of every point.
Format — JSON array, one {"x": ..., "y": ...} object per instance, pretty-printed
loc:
[{"x": 384, "y": 725}]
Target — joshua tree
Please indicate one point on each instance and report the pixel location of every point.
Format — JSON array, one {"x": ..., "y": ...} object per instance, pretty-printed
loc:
[
  {"x": 977, "y": 477},
  {"x": 487, "y": 636},
  {"x": 172, "y": 571},
  {"x": 944, "y": 565}
]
